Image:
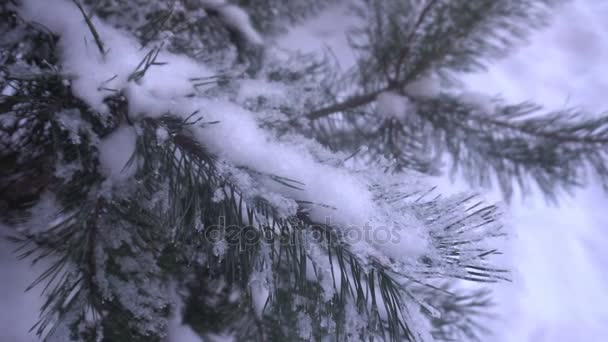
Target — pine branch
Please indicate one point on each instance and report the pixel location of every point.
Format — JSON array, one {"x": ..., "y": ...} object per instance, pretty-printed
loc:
[
  {"x": 426, "y": 47},
  {"x": 346, "y": 105},
  {"x": 402, "y": 55},
  {"x": 515, "y": 142},
  {"x": 148, "y": 61},
  {"x": 126, "y": 241},
  {"x": 356, "y": 281}
]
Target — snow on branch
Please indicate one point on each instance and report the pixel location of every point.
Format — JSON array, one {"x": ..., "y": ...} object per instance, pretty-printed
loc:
[{"x": 166, "y": 88}]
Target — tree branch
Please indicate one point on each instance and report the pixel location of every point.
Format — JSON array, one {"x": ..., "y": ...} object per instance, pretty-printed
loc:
[
  {"x": 405, "y": 50},
  {"x": 352, "y": 102},
  {"x": 557, "y": 136}
]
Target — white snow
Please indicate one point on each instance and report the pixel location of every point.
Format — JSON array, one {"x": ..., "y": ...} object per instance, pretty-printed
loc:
[
  {"x": 428, "y": 85},
  {"x": 163, "y": 90},
  {"x": 176, "y": 330},
  {"x": 237, "y": 137},
  {"x": 392, "y": 105},
  {"x": 115, "y": 151},
  {"x": 259, "y": 293},
  {"x": 95, "y": 76},
  {"x": 161, "y": 134},
  {"x": 236, "y": 18}
]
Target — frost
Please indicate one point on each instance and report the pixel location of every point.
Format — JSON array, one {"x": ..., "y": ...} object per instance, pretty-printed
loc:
[
  {"x": 115, "y": 152},
  {"x": 390, "y": 104}
]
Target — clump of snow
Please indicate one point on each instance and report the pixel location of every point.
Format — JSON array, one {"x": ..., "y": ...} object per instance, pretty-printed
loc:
[
  {"x": 161, "y": 134},
  {"x": 81, "y": 59},
  {"x": 235, "y": 18},
  {"x": 95, "y": 76},
  {"x": 428, "y": 85},
  {"x": 115, "y": 152},
  {"x": 392, "y": 105},
  {"x": 404, "y": 240},
  {"x": 284, "y": 206}
]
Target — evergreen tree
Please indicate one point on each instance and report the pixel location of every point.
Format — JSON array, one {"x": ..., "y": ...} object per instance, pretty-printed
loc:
[{"x": 168, "y": 162}]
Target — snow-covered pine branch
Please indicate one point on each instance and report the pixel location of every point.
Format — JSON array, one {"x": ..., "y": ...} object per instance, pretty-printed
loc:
[{"x": 174, "y": 187}]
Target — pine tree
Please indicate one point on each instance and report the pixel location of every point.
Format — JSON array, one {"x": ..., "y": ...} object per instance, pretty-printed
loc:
[{"x": 165, "y": 159}]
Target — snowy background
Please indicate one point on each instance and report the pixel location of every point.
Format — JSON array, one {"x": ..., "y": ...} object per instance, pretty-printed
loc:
[{"x": 560, "y": 288}]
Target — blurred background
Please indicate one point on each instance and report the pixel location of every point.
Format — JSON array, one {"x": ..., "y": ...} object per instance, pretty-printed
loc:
[{"x": 558, "y": 254}]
